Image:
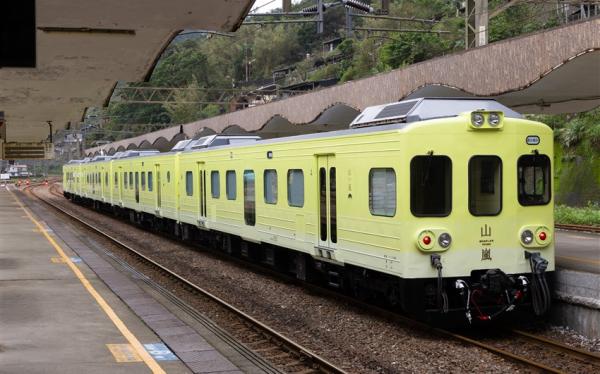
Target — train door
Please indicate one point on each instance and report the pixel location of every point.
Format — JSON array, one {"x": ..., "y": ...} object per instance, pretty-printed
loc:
[
  {"x": 327, "y": 179},
  {"x": 103, "y": 184},
  {"x": 120, "y": 179},
  {"x": 137, "y": 187},
  {"x": 202, "y": 192},
  {"x": 158, "y": 186}
]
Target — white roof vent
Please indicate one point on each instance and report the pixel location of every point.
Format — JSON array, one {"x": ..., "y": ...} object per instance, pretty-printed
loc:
[
  {"x": 426, "y": 108},
  {"x": 221, "y": 140}
]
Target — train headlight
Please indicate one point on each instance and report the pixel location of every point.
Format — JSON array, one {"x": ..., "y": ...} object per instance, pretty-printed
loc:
[
  {"x": 494, "y": 119},
  {"x": 477, "y": 119},
  {"x": 527, "y": 237},
  {"x": 445, "y": 240}
]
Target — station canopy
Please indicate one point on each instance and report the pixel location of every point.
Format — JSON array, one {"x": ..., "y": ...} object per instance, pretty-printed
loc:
[{"x": 58, "y": 57}]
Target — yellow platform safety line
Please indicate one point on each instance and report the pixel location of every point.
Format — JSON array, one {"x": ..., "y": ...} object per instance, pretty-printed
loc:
[{"x": 135, "y": 343}]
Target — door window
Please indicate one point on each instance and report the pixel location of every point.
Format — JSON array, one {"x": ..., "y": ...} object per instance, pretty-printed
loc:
[
  {"x": 534, "y": 179},
  {"x": 431, "y": 186},
  {"x": 249, "y": 198},
  {"x": 485, "y": 185}
]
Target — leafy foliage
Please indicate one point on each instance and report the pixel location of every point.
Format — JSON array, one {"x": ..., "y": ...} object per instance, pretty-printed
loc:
[
  {"x": 411, "y": 48},
  {"x": 589, "y": 215},
  {"x": 520, "y": 19}
]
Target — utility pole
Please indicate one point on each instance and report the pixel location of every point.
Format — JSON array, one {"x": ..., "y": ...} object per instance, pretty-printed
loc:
[
  {"x": 320, "y": 18},
  {"x": 476, "y": 23},
  {"x": 385, "y": 7},
  {"x": 348, "y": 22}
]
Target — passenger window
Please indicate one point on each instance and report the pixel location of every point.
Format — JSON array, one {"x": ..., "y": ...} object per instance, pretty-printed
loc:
[
  {"x": 485, "y": 185},
  {"x": 230, "y": 186},
  {"x": 382, "y": 192},
  {"x": 168, "y": 177},
  {"x": 143, "y": 181},
  {"x": 106, "y": 179},
  {"x": 270, "y": 186},
  {"x": 116, "y": 179},
  {"x": 189, "y": 183},
  {"x": 431, "y": 186},
  {"x": 125, "y": 180},
  {"x": 249, "y": 198},
  {"x": 534, "y": 180},
  {"x": 150, "y": 181},
  {"x": 130, "y": 179},
  {"x": 215, "y": 184},
  {"x": 295, "y": 179}
]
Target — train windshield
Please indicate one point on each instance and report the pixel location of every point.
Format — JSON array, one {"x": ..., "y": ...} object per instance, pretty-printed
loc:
[
  {"x": 431, "y": 186},
  {"x": 534, "y": 179},
  {"x": 485, "y": 185}
]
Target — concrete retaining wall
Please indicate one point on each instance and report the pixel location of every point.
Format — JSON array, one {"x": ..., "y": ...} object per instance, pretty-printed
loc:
[{"x": 577, "y": 302}]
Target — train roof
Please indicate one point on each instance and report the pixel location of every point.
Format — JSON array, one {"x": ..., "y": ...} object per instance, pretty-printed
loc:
[{"x": 426, "y": 108}]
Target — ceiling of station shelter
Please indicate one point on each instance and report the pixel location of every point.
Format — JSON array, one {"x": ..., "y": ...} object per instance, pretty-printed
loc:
[{"x": 82, "y": 48}]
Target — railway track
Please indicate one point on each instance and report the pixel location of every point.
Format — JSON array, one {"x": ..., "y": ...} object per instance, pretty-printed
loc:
[
  {"x": 586, "y": 359},
  {"x": 274, "y": 346},
  {"x": 562, "y": 226}
]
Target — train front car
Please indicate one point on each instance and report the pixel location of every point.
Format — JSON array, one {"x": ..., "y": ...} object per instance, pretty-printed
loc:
[{"x": 481, "y": 210}]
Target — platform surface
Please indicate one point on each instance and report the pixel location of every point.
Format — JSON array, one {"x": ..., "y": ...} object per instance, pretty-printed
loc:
[
  {"x": 578, "y": 251},
  {"x": 49, "y": 321}
]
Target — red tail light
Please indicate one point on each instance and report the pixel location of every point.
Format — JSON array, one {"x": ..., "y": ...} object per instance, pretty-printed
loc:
[
  {"x": 426, "y": 240},
  {"x": 542, "y": 236}
]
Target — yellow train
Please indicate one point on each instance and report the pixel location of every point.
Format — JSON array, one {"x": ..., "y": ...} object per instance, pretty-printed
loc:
[{"x": 435, "y": 205}]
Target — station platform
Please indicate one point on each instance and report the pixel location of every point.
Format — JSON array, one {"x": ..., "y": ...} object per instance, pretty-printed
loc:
[
  {"x": 578, "y": 251},
  {"x": 65, "y": 309}
]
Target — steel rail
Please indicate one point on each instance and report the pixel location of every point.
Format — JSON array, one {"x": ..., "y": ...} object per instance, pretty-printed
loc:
[
  {"x": 565, "y": 226},
  {"x": 319, "y": 361},
  {"x": 384, "y": 313},
  {"x": 559, "y": 346}
]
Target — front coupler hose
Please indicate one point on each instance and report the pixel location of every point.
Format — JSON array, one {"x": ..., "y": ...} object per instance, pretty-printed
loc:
[
  {"x": 442, "y": 297},
  {"x": 540, "y": 292}
]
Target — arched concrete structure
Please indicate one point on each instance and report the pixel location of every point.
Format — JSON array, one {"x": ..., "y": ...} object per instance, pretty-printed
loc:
[
  {"x": 234, "y": 130},
  {"x": 551, "y": 71},
  {"x": 145, "y": 145}
]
